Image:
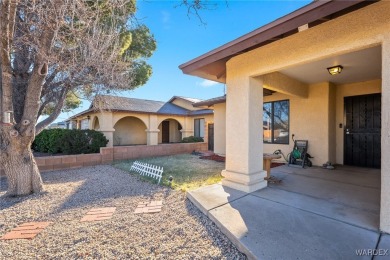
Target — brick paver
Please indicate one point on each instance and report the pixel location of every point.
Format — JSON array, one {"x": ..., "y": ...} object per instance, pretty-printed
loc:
[
  {"x": 149, "y": 207},
  {"x": 98, "y": 214},
  {"x": 26, "y": 230}
]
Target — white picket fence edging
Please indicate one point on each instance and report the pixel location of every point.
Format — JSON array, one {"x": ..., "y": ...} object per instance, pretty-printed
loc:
[{"x": 149, "y": 170}]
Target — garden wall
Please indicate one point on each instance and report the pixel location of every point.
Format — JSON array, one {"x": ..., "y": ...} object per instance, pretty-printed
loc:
[{"x": 109, "y": 154}]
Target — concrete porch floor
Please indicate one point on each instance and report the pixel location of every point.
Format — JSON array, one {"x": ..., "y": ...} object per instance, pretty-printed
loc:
[{"x": 312, "y": 214}]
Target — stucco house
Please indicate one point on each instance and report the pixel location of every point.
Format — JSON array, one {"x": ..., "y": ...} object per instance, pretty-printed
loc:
[
  {"x": 131, "y": 121},
  {"x": 326, "y": 70}
]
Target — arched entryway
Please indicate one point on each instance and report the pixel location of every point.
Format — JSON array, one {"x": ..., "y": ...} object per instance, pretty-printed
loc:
[
  {"x": 169, "y": 131},
  {"x": 129, "y": 131},
  {"x": 96, "y": 123}
]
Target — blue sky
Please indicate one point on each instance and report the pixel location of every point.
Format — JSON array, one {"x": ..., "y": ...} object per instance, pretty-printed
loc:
[{"x": 181, "y": 38}]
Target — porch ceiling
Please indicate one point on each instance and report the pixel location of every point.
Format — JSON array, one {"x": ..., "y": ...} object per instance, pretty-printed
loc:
[{"x": 358, "y": 66}]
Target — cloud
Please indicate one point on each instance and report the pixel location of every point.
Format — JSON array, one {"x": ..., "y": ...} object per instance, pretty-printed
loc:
[{"x": 207, "y": 83}]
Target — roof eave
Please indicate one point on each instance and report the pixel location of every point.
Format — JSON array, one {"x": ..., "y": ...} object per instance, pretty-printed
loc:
[
  {"x": 209, "y": 103},
  {"x": 308, "y": 14}
]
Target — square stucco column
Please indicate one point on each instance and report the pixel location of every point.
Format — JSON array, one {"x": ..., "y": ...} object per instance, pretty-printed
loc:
[
  {"x": 188, "y": 127},
  {"x": 244, "y": 140},
  {"x": 107, "y": 128},
  {"x": 385, "y": 135},
  {"x": 152, "y": 131},
  {"x": 220, "y": 129},
  {"x": 109, "y": 134}
]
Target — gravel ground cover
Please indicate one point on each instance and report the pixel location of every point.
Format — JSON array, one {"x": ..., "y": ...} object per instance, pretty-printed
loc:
[{"x": 179, "y": 231}]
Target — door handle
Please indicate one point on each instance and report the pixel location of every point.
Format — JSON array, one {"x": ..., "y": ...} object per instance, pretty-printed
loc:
[{"x": 347, "y": 131}]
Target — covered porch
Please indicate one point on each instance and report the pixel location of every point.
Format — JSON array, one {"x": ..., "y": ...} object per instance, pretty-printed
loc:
[
  {"x": 312, "y": 213},
  {"x": 290, "y": 56}
]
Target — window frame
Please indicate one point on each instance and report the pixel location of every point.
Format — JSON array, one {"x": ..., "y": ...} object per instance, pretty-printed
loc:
[
  {"x": 273, "y": 121},
  {"x": 204, "y": 124}
]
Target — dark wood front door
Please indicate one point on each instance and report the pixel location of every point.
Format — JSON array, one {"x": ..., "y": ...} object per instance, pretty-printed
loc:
[
  {"x": 165, "y": 132},
  {"x": 362, "y": 132},
  {"x": 211, "y": 137}
]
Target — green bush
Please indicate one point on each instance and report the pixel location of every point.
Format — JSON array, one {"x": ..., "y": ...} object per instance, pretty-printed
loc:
[
  {"x": 49, "y": 141},
  {"x": 69, "y": 141},
  {"x": 192, "y": 139},
  {"x": 83, "y": 141}
]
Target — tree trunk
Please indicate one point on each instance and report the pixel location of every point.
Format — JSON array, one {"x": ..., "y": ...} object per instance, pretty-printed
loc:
[{"x": 19, "y": 165}]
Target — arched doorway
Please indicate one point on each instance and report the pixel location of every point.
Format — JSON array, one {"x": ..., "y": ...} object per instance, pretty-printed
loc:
[
  {"x": 129, "y": 131},
  {"x": 169, "y": 131}
]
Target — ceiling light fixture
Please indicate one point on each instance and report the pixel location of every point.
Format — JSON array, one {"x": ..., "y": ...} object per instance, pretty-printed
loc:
[{"x": 335, "y": 70}]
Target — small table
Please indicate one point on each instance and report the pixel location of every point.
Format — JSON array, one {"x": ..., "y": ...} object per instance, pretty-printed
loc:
[{"x": 267, "y": 160}]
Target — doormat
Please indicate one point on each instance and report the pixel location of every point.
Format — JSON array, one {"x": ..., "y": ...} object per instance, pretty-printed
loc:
[
  {"x": 26, "y": 230},
  {"x": 149, "y": 207},
  {"x": 98, "y": 214}
]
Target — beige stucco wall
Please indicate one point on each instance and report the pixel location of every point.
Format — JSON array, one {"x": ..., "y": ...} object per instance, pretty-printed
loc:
[
  {"x": 317, "y": 118},
  {"x": 309, "y": 120},
  {"x": 385, "y": 138},
  {"x": 358, "y": 30},
  {"x": 129, "y": 131},
  {"x": 151, "y": 126},
  {"x": 332, "y": 124},
  {"x": 355, "y": 89},
  {"x": 220, "y": 128},
  {"x": 361, "y": 29}
]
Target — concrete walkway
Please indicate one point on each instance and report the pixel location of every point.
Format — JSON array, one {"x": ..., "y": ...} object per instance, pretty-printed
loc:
[{"x": 312, "y": 214}]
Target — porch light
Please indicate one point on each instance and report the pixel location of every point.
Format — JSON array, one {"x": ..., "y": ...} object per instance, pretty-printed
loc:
[{"x": 335, "y": 70}]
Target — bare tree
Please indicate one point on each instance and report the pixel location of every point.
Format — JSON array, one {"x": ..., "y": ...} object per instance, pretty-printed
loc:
[
  {"x": 50, "y": 48},
  {"x": 194, "y": 7}
]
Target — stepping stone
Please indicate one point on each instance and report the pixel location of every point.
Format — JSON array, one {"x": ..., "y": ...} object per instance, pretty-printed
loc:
[
  {"x": 149, "y": 207},
  {"x": 26, "y": 230},
  {"x": 98, "y": 214}
]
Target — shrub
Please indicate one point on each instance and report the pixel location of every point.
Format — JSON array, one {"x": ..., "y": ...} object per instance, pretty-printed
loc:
[
  {"x": 49, "y": 141},
  {"x": 69, "y": 141},
  {"x": 192, "y": 139},
  {"x": 83, "y": 141}
]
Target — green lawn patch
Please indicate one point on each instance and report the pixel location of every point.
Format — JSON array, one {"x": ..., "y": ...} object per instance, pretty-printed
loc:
[{"x": 188, "y": 171}]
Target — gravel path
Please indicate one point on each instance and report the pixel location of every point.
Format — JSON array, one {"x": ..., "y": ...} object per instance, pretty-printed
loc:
[{"x": 179, "y": 231}]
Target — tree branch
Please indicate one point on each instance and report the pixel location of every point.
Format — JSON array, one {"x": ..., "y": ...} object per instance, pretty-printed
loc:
[{"x": 57, "y": 110}]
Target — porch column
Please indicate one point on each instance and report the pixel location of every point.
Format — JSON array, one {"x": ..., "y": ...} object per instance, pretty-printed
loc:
[
  {"x": 107, "y": 128},
  {"x": 244, "y": 140},
  {"x": 109, "y": 134},
  {"x": 152, "y": 131},
  {"x": 220, "y": 129},
  {"x": 385, "y": 135},
  {"x": 188, "y": 127}
]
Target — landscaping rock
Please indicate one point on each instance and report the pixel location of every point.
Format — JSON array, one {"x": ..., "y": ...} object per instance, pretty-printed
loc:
[{"x": 179, "y": 231}]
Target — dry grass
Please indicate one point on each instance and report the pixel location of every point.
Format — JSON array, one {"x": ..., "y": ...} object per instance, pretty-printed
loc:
[{"x": 188, "y": 171}]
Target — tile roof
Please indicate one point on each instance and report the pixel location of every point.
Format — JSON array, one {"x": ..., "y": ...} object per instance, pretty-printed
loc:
[
  {"x": 211, "y": 101},
  {"x": 115, "y": 103},
  {"x": 126, "y": 104}
]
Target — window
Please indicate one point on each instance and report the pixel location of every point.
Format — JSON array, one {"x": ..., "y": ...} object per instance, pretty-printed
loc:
[
  {"x": 276, "y": 122},
  {"x": 84, "y": 124},
  {"x": 199, "y": 127}
]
